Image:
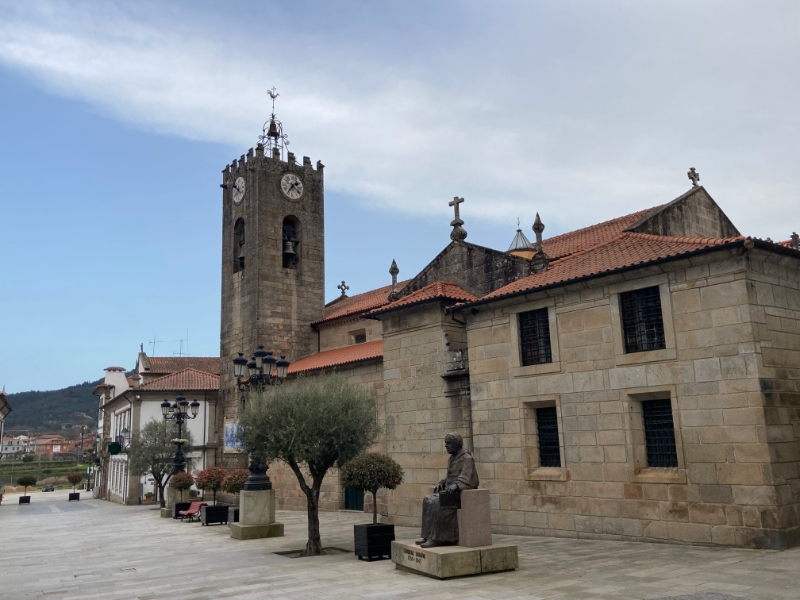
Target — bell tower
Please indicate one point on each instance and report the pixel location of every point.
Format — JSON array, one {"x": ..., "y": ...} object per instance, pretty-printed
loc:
[{"x": 273, "y": 255}]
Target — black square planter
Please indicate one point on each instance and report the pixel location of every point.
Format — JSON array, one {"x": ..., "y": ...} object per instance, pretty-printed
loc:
[
  {"x": 74, "y": 496},
  {"x": 373, "y": 541},
  {"x": 24, "y": 499},
  {"x": 213, "y": 514},
  {"x": 179, "y": 506}
]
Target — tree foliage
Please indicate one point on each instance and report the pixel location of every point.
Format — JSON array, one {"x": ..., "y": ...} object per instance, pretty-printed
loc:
[
  {"x": 316, "y": 423},
  {"x": 151, "y": 452},
  {"x": 49, "y": 410},
  {"x": 28, "y": 458},
  {"x": 26, "y": 481},
  {"x": 210, "y": 479},
  {"x": 234, "y": 481},
  {"x": 74, "y": 479},
  {"x": 370, "y": 472}
]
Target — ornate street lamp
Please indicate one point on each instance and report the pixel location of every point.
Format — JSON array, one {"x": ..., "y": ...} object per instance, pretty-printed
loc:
[
  {"x": 261, "y": 370},
  {"x": 179, "y": 412}
]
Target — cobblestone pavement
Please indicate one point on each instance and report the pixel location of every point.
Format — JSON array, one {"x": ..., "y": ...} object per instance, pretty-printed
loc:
[{"x": 53, "y": 549}]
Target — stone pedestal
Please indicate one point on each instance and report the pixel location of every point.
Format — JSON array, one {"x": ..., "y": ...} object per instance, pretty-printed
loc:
[
  {"x": 445, "y": 562},
  {"x": 474, "y": 519},
  {"x": 256, "y": 516},
  {"x": 173, "y": 496}
]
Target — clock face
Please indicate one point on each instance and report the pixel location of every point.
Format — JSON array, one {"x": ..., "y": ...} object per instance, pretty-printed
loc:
[
  {"x": 292, "y": 186},
  {"x": 238, "y": 190}
]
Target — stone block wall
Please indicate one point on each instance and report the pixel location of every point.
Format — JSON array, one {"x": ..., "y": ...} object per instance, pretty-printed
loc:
[
  {"x": 727, "y": 487},
  {"x": 340, "y": 334},
  {"x": 418, "y": 412}
]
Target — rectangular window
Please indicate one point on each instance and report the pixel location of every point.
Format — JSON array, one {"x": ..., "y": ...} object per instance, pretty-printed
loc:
[
  {"x": 659, "y": 433},
  {"x": 642, "y": 321},
  {"x": 547, "y": 428},
  {"x": 360, "y": 338},
  {"x": 534, "y": 336}
]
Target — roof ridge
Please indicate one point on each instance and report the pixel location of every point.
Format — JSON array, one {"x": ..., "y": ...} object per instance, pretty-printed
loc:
[
  {"x": 596, "y": 225},
  {"x": 176, "y": 373},
  {"x": 683, "y": 239}
]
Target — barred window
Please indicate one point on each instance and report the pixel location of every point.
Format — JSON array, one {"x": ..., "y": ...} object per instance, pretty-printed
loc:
[
  {"x": 360, "y": 338},
  {"x": 547, "y": 428},
  {"x": 659, "y": 433},
  {"x": 642, "y": 321},
  {"x": 534, "y": 336}
]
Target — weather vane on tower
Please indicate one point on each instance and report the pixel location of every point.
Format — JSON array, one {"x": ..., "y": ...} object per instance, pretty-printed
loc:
[{"x": 272, "y": 137}]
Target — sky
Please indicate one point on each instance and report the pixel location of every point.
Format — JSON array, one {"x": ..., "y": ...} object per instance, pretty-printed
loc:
[{"x": 117, "y": 119}]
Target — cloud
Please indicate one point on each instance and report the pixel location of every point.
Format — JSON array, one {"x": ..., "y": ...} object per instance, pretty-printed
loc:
[{"x": 577, "y": 111}]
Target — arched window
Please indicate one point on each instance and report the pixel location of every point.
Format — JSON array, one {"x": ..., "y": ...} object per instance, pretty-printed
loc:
[
  {"x": 291, "y": 241},
  {"x": 238, "y": 245}
]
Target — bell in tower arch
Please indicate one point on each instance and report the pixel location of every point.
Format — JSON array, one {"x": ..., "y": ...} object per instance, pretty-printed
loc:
[{"x": 290, "y": 241}]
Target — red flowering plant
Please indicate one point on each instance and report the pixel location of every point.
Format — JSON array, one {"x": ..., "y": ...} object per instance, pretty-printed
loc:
[
  {"x": 234, "y": 481},
  {"x": 182, "y": 482},
  {"x": 210, "y": 479}
]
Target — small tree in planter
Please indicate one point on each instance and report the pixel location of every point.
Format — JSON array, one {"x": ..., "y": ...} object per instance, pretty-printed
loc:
[
  {"x": 234, "y": 481},
  {"x": 370, "y": 472},
  {"x": 74, "y": 479},
  {"x": 210, "y": 479},
  {"x": 26, "y": 481},
  {"x": 182, "y": 482}
]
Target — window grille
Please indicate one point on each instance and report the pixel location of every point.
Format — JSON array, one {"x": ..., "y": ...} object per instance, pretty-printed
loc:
[
  {"x": 534, "y": 335},
  {"x": 642, "y": 321},
  {"x": 360, "y": 338},
  {"x": 659, "y": 433},
  {"x": 547, "y": 428}
]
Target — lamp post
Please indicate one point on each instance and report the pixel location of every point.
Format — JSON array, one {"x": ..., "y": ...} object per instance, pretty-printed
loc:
[
  {"x": 83, "y": 428},
  {"x": 263, "y": 369},
  {"x": 179, "y": 412}
]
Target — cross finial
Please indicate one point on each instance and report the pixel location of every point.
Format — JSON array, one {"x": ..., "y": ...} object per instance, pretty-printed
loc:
[
  {"x": 458, "y": 233},
  {"x": 694, "y": 176},
  {"x": 795, "y": 240},
  {"x": 344, "y": 287}
]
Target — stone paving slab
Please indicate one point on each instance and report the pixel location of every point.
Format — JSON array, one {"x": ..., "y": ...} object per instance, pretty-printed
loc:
[{"x": 53, "y": 549}]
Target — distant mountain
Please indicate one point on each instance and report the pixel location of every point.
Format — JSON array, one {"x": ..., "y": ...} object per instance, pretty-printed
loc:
[{"x": 53, "y": 411}]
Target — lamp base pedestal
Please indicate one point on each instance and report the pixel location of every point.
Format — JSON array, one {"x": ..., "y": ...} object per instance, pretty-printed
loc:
[{"x": 256, "y": 516}]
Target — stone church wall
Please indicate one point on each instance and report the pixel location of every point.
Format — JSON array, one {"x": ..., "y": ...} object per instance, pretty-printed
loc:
[
  {"x": 418, "y": 412},
  {"x": 727, "y": 488},
  {"x": 341, "y": 334}
]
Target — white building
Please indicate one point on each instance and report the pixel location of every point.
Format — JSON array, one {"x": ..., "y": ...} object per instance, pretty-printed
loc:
[{"x": 126, "y": 407}]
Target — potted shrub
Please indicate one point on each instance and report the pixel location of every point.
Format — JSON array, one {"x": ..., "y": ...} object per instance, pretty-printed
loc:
[
  {"x": 74, "y": 479},
  {"x": 370, "y": 472},
  {"x": 180, "y": 481},
  {"x": 193, "y": 494},
  {"x": 210, "y": 480},
  {"x": 233, "y": 484},
  {"x": 148, "y": 497},
  {"x": 26, "y": 481}
]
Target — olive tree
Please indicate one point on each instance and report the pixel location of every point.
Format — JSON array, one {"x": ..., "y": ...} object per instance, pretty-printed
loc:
[
  {"x": 313, "y": 423},
  {"x": 151, "y": 452}
]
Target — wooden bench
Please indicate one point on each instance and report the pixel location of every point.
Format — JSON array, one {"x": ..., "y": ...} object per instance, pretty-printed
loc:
[{"x": 192, "y": 512}]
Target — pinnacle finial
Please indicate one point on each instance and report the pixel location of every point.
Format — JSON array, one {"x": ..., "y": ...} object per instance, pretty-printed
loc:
[
  {"x": 393, "y": 271},
  {"x": 795, "y": 241},
  {"x": 694, "y": 176},
  {"x": 344, "y": 287}
]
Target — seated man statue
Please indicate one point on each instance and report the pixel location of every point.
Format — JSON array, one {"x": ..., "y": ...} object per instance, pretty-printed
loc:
[{"x": 439, "y": 522}]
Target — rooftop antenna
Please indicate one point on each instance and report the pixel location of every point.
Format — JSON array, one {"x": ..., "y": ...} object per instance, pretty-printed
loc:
[
  {"x": 153, "y": 343},
  {"x": 180, "y": 351},
  {"x": 272, "y": 138}
]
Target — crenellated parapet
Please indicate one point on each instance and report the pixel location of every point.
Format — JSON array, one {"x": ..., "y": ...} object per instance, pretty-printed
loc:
[{"x": 256, "y": 157}]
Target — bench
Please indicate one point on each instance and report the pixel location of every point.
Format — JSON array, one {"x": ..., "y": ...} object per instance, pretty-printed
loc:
[{"x": 192, "y": 512}]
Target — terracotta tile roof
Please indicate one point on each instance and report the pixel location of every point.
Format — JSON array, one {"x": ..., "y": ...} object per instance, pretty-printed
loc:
[
  {"x": 173, "y": 364},
  {"x": 359, "y": 304},
  {"x": 187, "y": 380},
  {"x": 437, "y": 290},
  {"x": 339, "y": 356},
  {"x": 589, "y": 237},
  {"x": 626, "y": 250}
]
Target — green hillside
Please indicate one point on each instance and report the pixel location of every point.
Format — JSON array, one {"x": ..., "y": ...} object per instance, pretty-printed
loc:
[{"x": 54, "y": 411}]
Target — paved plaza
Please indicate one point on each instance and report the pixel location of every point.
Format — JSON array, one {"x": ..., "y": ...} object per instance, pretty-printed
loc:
[{"x": 53, "y": 549}]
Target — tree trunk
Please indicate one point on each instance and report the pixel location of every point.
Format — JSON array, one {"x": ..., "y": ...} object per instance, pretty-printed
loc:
[
  {"x": 314, "y": 544},
  {"x": 374, "y": 507}
]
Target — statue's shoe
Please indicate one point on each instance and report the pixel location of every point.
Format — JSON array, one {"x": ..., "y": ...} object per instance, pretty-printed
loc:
[
  {"x": 421, "y": 541},
  {"x": 428, "y": 544}
]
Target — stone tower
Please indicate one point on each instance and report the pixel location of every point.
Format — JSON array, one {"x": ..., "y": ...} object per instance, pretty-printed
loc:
[{"x": 273, "y": 260}]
